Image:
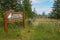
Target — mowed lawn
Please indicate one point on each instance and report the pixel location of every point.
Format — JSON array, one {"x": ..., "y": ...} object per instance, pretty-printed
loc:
[{"x": 44, "y": 30}]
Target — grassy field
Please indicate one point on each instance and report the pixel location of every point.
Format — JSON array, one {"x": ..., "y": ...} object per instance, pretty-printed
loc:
[{"x": 41, "y": 29}]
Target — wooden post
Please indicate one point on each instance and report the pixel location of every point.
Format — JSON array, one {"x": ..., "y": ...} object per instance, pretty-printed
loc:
[
  {"x": 23, "y": 20},
  {"x": 5, "y": 22}
]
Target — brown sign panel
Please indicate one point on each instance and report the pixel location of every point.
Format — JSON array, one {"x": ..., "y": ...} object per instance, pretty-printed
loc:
[{"x": 13, "y": 16}]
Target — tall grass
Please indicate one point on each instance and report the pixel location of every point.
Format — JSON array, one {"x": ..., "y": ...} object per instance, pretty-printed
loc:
[
  {"x": 46, "y": 31},
  {"x": 43, "y": 31}
]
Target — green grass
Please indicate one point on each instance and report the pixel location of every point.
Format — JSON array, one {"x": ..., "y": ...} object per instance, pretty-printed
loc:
[
  {"x": 12, "y": 33},
  {"x": 46, "y": 31},
  {"x": 43, "y": 31}
]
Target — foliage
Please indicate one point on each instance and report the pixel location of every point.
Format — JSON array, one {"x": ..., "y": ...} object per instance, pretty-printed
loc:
[
  {"x": 25, "y": 6},
  {"x": 43, "y": 15},
  {"x": 9, "y": 4},
  {"x": 1, "y": 11},
  {"x": 34, "y": 12},
  {"x": 56, "y": 9}
]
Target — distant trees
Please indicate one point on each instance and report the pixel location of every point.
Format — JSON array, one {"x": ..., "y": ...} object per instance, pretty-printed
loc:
[
  {"x": 56, "y": 10},
  {"x": 34, "y": 12},
  {"x": 43, "y": 15}
]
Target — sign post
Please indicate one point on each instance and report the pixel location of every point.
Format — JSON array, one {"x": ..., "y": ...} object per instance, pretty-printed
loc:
[
  {"x": 16, "y": 16},
  {"x": 5, "y": 23},
  {"x": 23, "y": 20}
]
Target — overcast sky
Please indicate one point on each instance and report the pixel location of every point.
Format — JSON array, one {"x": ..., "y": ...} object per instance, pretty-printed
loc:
[{"x": 42, "y": 5}]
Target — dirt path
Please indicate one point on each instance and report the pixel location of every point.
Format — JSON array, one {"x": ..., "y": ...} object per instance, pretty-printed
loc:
[{"x": 25, "y": 35}]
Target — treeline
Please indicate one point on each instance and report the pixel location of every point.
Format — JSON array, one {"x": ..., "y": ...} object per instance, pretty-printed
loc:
[
  {"x": 55, "y": 13},
  {"x": 18, "y": 5}
]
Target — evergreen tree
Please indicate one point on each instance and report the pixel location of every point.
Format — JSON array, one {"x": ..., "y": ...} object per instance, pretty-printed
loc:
[
  {"x": 19, "y": 5},
  {"x": 56, "y": 9},
  {"x": 43, "y": 14},
  {"x": 1, "y": 11},
  {"x": 9, "y": 4},
  {"x": 34, "y": 12},
  {"x": 27, "y": 8}
]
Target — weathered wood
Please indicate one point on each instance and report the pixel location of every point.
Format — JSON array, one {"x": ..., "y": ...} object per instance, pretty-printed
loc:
[
  {"x": 23, "y": 20},
  {"x": 6, "y": 20},
  {"x": 5, "y": 23}
]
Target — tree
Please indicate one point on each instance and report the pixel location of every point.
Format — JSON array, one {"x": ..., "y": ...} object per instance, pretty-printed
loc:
[
  {"x": 18, "y": 5},
  {"x": 1, "y": 11},
  {"x": 43, "y": 14},
  {"x": 9, "y": 4},
  {"x": 34, "y": 12},
  {"x": 56, "y": 9},
  {"x": 27, "y": 8}
]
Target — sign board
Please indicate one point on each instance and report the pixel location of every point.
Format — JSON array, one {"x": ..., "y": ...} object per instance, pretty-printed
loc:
[
  {"x": 17, "y": 16},
  {"x": 13, "y": 15}
]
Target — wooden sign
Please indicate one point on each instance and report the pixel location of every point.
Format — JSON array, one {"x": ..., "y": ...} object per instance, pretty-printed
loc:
[
  {"x": 17, "y": 16},
  {"x": 13, "y": 16}
]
